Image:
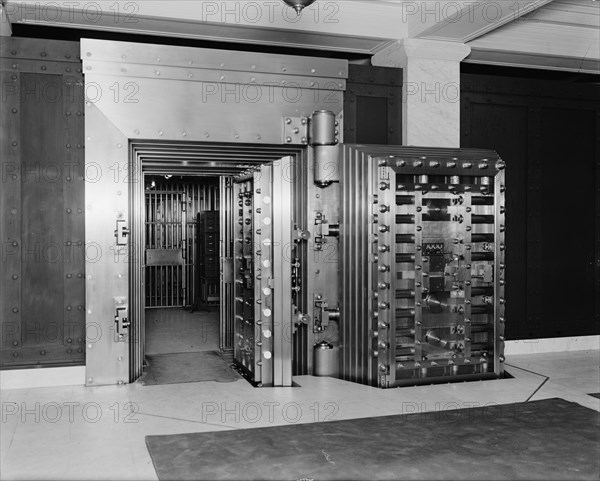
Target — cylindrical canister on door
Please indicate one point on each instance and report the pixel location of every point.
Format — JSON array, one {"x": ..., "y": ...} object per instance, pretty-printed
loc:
[{"x": 325, "y": 357}]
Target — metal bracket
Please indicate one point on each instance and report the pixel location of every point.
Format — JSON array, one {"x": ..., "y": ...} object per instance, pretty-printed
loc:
[
  {"x": 295, "y": 130},
  {"x": 122, "y": 322},
  {"x": 323, "y": 313},
  {"x": 324, "y": 229},
  {"x": 121, "y": 232}
]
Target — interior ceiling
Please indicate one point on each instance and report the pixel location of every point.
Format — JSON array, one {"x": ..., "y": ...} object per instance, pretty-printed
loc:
[
  {"x": 547, "y": 34},
  {"x": 205, "y": 159},
  {"x": 562, "y": 35}
]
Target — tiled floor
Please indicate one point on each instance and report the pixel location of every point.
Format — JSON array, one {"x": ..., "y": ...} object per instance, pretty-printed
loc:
[{"x": 98, "y": 433}]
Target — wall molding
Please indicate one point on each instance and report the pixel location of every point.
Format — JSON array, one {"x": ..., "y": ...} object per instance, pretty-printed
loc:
[
  {"x": 42, "y": 377},
  {"x": 558, "y": 344}
]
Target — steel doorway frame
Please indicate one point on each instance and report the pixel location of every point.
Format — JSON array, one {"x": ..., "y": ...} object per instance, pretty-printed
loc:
[{"x": 186, "y": 159}]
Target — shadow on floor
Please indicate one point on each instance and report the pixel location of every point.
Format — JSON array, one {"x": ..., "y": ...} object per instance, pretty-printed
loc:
[{"x": 187, "y": 367}]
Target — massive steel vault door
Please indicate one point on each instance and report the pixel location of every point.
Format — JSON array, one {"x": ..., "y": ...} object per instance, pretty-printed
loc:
[
  {"x": 262, "y": 274},
  {"x": 423, "y": 265}
]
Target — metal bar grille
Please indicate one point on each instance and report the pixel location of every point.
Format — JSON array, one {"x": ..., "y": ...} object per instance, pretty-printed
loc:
[{"x": 171, "y": 207}]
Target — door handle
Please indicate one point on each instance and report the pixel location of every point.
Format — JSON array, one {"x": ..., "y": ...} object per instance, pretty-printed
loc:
[{"x": 121, "y": 232}]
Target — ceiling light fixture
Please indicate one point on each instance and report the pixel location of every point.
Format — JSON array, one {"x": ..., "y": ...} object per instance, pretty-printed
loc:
[{"x": 298, "y": 5}]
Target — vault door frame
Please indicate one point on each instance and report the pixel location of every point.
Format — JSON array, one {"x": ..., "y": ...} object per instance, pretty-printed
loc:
[
  {"x": 226, "y": 292},
  {"x": 281, "y": 177},
  {"x": 141, "y": 93}
]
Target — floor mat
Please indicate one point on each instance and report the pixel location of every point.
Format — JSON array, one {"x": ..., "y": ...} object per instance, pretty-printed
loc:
[
  {"x": 187, "y": 367},
  {"x": 548, "y": 439}
]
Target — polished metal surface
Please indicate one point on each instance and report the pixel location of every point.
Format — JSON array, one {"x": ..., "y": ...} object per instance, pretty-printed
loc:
[
  {"x": 323, "y": 128},
  {"x": 107, "y": 271}
]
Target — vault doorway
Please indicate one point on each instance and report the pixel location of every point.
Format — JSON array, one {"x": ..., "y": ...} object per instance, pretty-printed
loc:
[{"x": 182, "y": 290}]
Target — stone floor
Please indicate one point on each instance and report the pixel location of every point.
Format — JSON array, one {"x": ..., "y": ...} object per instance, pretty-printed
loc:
[
  {"x": 76, "y": 432},
  {"x": 178, "y": 330}
]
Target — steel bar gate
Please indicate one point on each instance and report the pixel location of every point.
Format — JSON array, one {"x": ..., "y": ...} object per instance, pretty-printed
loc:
[{"x": 171, "y": 234}]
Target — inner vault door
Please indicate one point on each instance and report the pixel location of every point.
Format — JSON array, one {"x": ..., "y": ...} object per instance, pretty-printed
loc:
[{"x": 263, "y": 304}]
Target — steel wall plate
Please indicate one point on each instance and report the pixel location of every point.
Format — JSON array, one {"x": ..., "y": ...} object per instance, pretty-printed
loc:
[
  {"x": 251, "y": 80},
  {"x": 295, "y": 130},
  {"x": 107, "y": 265},
  {"x": 213, "y": 59}
]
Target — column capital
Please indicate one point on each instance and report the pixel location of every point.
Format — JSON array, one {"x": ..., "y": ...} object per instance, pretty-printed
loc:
[{"x": 399, "y": 53}]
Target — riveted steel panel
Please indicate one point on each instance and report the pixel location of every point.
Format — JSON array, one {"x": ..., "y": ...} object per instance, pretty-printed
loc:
[
  {"x": 10, "y": 219},
  {"x": 43, "y": 179},
  {"x": 213, "y": 59},
  {"x": 204, "y": 107}
]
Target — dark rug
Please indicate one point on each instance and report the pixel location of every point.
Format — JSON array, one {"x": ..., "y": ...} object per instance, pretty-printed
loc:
[
  {"x": 548, "y": 439},
  {"x": 187, "y": 367},
  {"x": 595, "y": 394}
]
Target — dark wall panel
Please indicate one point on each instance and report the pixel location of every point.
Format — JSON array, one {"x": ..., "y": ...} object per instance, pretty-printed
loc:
[
  {"x": 567, "y": 227},
  {"x": 373, "y": 105},
  {"x": 42, "y": 226},
  {"x": 42, "y": 208},
  {"x": 548, "y": 131},
  {"x": 372, "y": 121},
  {"x": 506, "y": 132}
]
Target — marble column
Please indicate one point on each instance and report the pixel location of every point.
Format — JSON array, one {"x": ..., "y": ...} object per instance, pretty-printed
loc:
[{"x": 431, "y": 103}]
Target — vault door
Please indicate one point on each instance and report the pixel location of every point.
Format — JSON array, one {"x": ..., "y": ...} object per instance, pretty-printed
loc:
[
  {"x": 263, "y": 304},
  {"x": 166, "y": 239}
]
